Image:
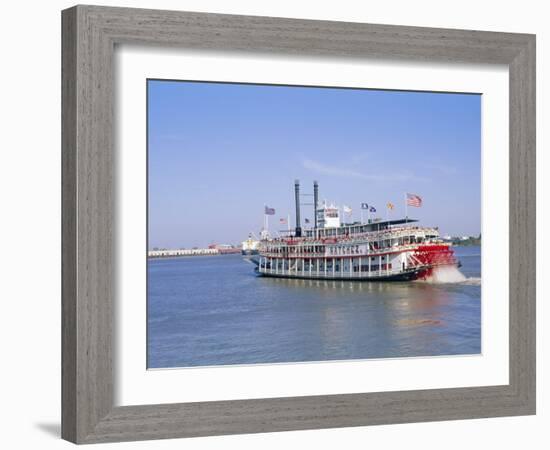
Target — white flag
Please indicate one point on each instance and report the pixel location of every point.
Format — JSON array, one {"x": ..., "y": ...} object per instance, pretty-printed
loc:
[{"x": 347, "y": 210}]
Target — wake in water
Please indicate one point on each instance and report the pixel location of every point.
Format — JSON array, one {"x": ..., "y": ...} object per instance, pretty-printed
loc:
[
  {"x": 450, "y": 274},
  {"x": 473, "y": 281}
]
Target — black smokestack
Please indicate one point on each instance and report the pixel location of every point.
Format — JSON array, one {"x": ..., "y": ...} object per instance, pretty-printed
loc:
[
  {"x": 315, "y": 201},
  {"x": 297, "y": 197}
]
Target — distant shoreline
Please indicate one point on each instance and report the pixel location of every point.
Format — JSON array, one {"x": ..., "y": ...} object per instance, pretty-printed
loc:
[
  {"x": 166, "y": 256},
  {"x": 467, "y": 242}
]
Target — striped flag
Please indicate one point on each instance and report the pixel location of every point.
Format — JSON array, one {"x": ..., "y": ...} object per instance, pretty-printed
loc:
[
  {"x": 269, "y": 211},
  {"x": 414, "y": 200},
  {"x": 282, "y": 221}
]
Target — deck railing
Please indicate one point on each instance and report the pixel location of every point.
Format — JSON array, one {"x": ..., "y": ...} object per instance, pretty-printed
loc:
[
  {"x": 330, "y": 273},
  {"x": 306, "y": 255},
  {"x": 362, "y": 237}
]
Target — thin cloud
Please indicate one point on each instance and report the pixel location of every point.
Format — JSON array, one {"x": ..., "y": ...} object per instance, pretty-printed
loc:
[
  {"x": 323, "y": 169},
  {"x": 444, "y": 169},
  {"x": 360, "y": 157},
  {"x": 337, "y": 171}
]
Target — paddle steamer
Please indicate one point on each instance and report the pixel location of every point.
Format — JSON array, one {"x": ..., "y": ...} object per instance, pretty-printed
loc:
[{"x": 379, "y": 250}]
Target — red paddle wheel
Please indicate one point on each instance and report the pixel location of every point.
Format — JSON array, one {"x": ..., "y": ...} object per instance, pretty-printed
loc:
[{"x": 432, "y": 256}]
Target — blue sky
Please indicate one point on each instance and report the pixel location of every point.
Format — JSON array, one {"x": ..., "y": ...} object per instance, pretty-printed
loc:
[{"x": 219, "y": 152}]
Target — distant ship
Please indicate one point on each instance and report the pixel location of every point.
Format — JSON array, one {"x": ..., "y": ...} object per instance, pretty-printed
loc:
[
  {"x": 390, "y": 250},
  {"x": 250, "y": 246}
]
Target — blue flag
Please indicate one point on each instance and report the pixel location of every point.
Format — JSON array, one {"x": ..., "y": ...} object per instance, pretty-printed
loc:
[
  {"x": 372, "y": 209},
  {"x": 364, "y": 206}
]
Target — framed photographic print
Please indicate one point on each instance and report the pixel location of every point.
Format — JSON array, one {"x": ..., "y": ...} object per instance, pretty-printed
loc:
[{"x": 268, "y": 222}]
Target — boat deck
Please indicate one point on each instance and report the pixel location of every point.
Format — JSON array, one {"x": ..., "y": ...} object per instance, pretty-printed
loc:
[{"x": 379, "y": 275}]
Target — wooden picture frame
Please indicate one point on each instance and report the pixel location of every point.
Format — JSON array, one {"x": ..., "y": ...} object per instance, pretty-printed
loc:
[{"x": 90, "y": 34}]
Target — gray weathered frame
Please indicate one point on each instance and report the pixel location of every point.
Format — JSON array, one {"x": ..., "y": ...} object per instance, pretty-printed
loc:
[{"x": 89, "y": 36}]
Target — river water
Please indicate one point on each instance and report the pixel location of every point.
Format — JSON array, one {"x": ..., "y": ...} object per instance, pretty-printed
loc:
[{"x": 213, "y": 310}]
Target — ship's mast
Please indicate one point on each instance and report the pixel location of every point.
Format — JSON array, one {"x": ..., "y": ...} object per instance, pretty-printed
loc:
[{"x": 315, "y": 204}]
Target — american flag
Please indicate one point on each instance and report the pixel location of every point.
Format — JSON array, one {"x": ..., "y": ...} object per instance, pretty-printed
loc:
[
  {"x": 414, "y": 200},
  {"x": 283, "y": 221},
  {"x": 269, "y": 211}
]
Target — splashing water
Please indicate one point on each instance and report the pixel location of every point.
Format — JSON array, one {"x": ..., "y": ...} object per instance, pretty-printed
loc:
[
  {"x": 449, "y": 275},
  {"x": 446, "y": 274}
]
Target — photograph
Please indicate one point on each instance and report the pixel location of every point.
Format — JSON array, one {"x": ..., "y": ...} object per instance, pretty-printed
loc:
[
  {"x": 293, "y": 224},
  {"x": 266, "y": 225}
]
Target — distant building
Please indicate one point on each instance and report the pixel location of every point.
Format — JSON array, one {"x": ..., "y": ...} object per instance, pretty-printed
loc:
[
  {"x": 225, "y": 249},
  {"x": 182, "y": 252}
]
